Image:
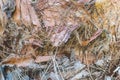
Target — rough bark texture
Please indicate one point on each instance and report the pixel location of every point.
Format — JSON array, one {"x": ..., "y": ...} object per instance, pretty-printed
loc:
[{"x": 66, "y": 34}]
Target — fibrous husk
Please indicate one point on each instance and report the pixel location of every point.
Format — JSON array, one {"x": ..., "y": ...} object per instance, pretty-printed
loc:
[
  {"x": 38, "y": 30},
  {"x": 78, "y": 24}
]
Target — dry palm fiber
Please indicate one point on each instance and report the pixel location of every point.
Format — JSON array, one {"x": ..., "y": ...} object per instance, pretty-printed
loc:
[
  {"x": 89, "y": 29},
  {"x": 60, "y": 18}
]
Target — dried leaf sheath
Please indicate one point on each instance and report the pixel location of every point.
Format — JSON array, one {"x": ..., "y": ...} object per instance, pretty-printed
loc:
[{"x": 49, "y": 39}]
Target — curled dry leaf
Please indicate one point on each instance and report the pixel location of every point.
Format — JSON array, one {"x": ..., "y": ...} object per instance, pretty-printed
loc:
[
  {"x": 24, "y": 61},
  {"x": 17, "y": 60}
]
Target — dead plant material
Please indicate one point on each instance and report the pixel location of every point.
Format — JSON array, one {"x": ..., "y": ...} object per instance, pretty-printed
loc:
[{"x": 52, "y": 38}]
